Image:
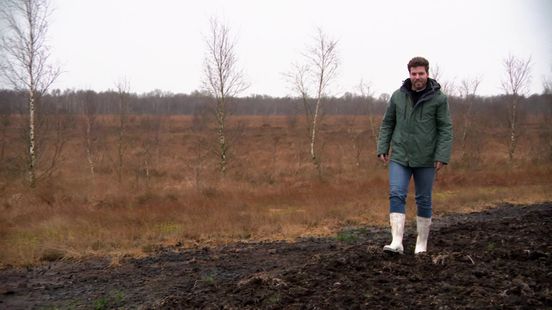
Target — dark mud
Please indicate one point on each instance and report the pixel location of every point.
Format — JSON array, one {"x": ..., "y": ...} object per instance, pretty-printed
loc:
[{"x": 500, "y": 258}]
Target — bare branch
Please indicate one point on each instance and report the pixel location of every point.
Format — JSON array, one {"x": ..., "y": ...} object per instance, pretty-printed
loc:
[
  {"x": 547, "y": 85},
  {"x": 222, "y": 77},
  {"x": 518, "y": 75},
  {"x": 468, "y": 87},
  {"x": 435, "y": 72}
]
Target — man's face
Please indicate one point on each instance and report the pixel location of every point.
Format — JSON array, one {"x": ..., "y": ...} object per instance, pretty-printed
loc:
[{"x": 418, "y": 77}]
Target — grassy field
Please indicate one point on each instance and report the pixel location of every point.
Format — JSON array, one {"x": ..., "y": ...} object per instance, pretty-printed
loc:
[{"x": 170, "y": 192}]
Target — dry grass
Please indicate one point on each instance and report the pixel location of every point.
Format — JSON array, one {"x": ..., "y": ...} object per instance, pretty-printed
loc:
[{"x": 271, "y": 192}]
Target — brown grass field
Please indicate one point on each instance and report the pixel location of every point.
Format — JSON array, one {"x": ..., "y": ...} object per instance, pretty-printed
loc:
[{"x": 171, "y": 192}]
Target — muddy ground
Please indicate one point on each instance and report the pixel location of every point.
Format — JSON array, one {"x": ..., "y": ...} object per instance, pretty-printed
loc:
[{"x": 498, "y": 258}]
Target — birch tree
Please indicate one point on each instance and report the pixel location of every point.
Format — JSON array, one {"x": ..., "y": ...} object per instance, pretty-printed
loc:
[
  {"x": 25, "y": 61},
  {"x": 515, "y": 85},
  {"x": 223, "y": 80},
  {"x": 311, "y": 81}
]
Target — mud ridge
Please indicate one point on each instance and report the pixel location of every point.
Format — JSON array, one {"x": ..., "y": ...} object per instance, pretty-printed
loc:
[{"x": 500, "y": 258}]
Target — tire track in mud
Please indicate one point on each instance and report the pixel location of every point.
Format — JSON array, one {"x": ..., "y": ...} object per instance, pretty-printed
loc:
[{"x": 501, "y": 257}]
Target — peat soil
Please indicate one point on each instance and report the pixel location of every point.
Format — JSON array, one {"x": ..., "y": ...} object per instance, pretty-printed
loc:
[{"x": 499, "y": 258}]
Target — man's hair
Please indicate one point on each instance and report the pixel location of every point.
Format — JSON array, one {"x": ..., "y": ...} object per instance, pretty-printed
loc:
[{"x": 418, "y": 62}]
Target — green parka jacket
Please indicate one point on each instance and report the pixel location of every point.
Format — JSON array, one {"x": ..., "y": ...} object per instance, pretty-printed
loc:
[{"x": 418, "y": 133}]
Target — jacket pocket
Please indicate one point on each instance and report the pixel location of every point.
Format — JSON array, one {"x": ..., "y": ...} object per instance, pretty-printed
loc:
[{"x": 428, "y": 113}]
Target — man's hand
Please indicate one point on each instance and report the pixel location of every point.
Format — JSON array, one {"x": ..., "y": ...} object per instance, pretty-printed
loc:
[
  {"x": 384, "y": 158},
  {"x": 438, "y": 165}
]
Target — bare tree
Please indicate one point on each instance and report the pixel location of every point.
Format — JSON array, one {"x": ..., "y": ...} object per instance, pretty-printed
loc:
[
  {"x": 468, "y": 89},
  {"x": 316, "y": 74},
  {"x": 5, "y": 123},
  {"x": 152, "y": 124},
  {"x": 90, "y": 136},
  {"x": 435, "y": 72},
  {"x": 547, "y": 85},
  {"x": 515, "y": 84},
  {"x": 123, "y": 88},
  {"x": 223, "y": 80},
  {"x": 298, "y": 78},
  {"x": 25, "y": 62},
  {"x": 366, "y": 107},
  {"x": 447, "y": 86},
  {"x": 61, "y": 123},
  {"x": 546, "y": 134},
  {"x": 367, "y": 96},
  {"x": 384, "y": 97}
]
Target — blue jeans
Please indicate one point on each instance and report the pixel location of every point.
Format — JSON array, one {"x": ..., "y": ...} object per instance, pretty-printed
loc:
[{"x": 399, "y": 178}]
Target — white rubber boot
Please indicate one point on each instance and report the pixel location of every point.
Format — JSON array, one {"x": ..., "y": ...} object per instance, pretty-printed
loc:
[
  {"x": 423, "y": 224},
  {"x": 397, "y": 230}
]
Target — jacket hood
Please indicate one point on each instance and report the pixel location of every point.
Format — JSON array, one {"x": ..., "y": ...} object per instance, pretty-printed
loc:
[{"x": 432, "y": 85}]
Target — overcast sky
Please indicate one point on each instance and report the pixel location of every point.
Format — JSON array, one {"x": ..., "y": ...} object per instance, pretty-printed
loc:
[{"x": 160, "y": 44}]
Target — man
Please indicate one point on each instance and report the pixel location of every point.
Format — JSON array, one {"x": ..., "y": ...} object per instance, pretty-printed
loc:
[{"x": 417, "y": 128}]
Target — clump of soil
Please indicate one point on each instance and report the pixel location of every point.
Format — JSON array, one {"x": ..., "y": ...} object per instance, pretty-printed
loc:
[{"x": 498, "y": 258}]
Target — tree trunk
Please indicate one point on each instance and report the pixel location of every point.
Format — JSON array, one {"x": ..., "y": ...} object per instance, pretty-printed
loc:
[
  {"x": 513, "y": 128},
  {"x": 467, "y": 127},
  {"x": 120, "y": 152},
  {"x": 223, "y": 146},
  {"x": 373, "y": 128},
  {"x": 32, "y": 142},
  {"x": 89, "y": 148},
  {"x": 5, "y": 124},
  {"x": 314, "y": 130}
]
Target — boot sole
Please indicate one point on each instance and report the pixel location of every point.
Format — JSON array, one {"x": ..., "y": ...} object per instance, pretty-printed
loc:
[{"x": 392, "y": 251}]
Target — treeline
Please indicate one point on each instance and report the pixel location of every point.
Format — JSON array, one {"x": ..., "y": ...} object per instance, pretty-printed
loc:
[{"x": 161, "y": 103}]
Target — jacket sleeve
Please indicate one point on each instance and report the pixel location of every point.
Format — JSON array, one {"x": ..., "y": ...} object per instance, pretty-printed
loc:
[
  {"x": 386, "y": 129},
  {"x": 444, "y": 133}
]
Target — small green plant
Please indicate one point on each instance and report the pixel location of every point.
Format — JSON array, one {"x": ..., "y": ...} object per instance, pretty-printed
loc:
[
  {"x": 100, "y": 303},
  {"x": 273, "y": 299},
  {"x": 114, "y": 299},
  {"x": 209, "y": 279},
  {"x": 347, "y": 236},
  {"x": 119, "y": 297}
]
